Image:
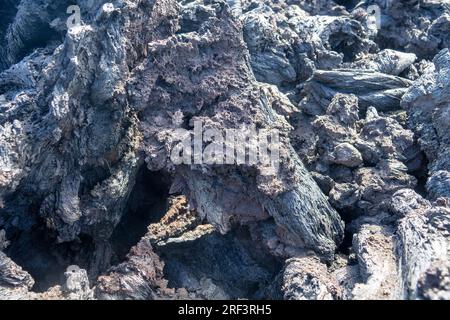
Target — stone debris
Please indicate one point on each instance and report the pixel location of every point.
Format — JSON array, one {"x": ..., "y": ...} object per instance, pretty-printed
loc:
[{"x": 93, "y": 104}]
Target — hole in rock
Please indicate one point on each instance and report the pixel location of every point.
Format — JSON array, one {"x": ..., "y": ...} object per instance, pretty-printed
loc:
[
  {"x": 346, "y": 44},
  {"x": 346, "y": 244},
  {"x": 92, "y": 176},
  {"x": 221, "y": 266},
  {"x": 147, "y": 203},
  {"x": 421, "y": 174},
  {"x": 34, "y": 247},
  {"x": 38, "y": 253},
  {"x": 348, "y": 4}
]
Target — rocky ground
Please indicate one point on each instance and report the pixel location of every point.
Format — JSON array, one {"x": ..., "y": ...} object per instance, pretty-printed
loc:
[{"x": 92, "y": 207}]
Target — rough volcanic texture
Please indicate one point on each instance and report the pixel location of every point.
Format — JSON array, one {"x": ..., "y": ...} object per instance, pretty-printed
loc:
[
  {"x": 92, "y": 205},
  {"x": 428, "y": 105}
]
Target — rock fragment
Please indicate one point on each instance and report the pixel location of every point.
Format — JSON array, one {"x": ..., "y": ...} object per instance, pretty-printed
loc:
[
  {"x": 307, "y": 278},
  {"x": 356, "y": 207},
  {"x": 422, "y": 244},
  {"x": 347, "y": 155}
]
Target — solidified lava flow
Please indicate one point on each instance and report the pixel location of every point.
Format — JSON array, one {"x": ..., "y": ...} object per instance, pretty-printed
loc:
[{"x": 224, "y": 149}]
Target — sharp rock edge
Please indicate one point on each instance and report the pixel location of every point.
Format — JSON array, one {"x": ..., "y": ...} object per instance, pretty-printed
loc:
[{"x": 91, "y": 207}]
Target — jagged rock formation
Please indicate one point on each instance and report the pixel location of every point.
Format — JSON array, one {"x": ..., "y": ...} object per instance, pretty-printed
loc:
[
  {"x": 93, "y": 205},
  {"x": 427, "y": 104},
  {"x": 306, "y": 278}
]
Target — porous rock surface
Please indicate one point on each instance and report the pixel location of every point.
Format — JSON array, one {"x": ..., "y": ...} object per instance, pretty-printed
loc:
[{"x": 92, "y": 206}]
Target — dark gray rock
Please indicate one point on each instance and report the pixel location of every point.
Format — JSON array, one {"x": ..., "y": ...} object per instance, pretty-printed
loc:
[
  {"x": 375, "y": 89},
  {"x": 93, "y": 205},
  {"x": 428, "y": 107}
]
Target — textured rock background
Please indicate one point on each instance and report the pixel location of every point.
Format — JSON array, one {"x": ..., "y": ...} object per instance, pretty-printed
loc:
[{"x": 92, "y": 207}]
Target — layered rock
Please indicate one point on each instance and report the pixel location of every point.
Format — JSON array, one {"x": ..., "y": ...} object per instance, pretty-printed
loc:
[{"x": 94, "y": 206}]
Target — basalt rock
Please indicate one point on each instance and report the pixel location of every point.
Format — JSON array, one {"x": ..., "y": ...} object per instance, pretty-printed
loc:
[
  {"x": 308, "y": 279},
  {"x": 358, "y": 162},
  {"x": 423, "y": 32},
  {"x": 420, "y": 259},
  {"x": 102, "y": 191},
  {"x": 428, "y": 107}
]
